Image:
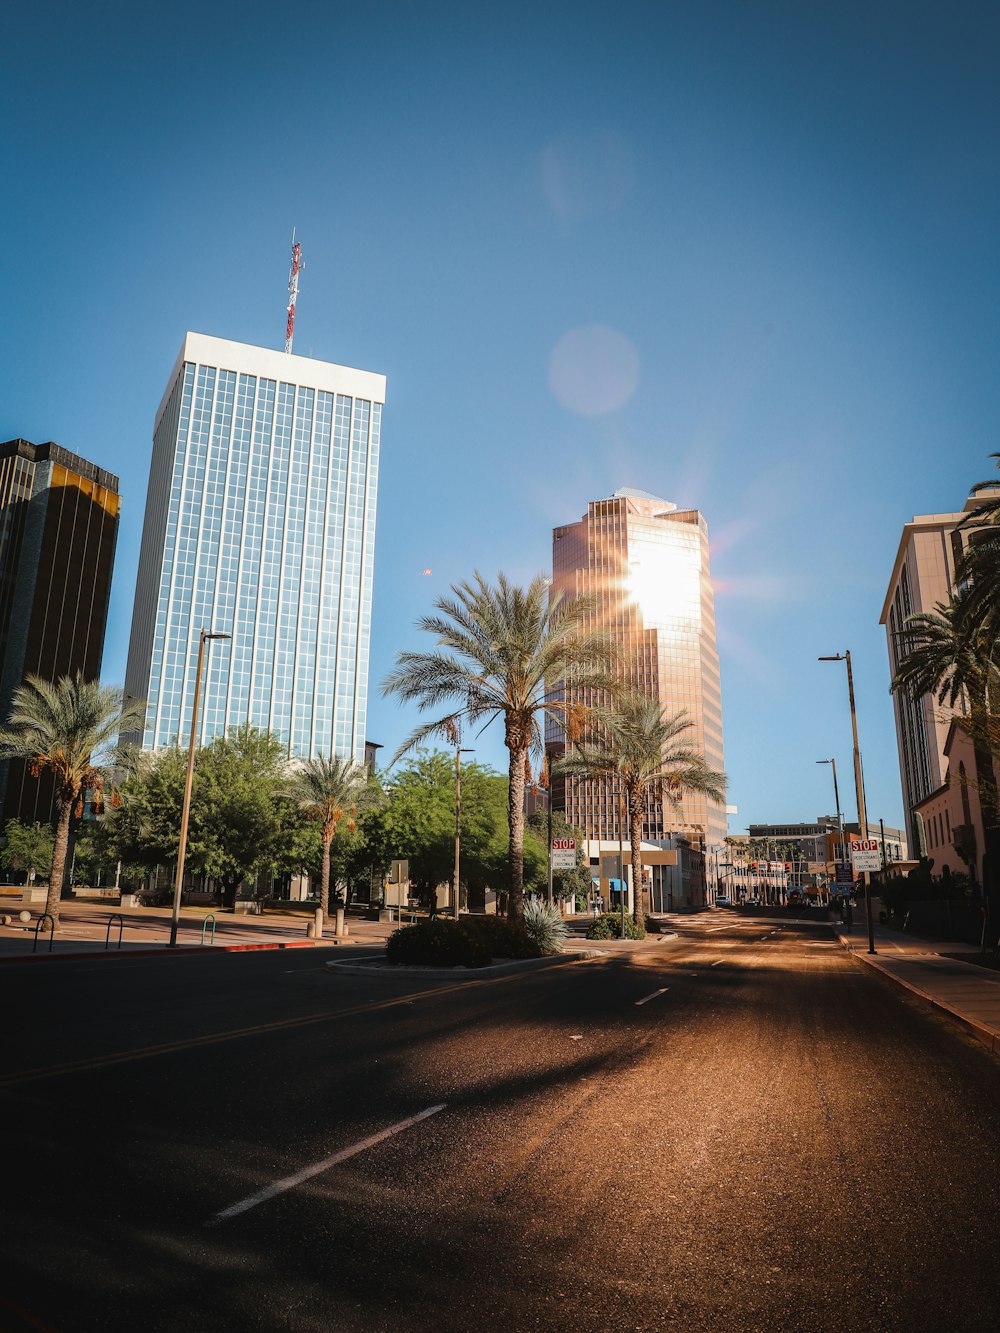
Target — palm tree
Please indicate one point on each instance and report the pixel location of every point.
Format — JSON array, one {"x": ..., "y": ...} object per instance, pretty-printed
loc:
[
  {"x": 498, "y": 649},
  {"x": 645, "y": 750},
  {"x": 327, "y": 789},
  {"x": 951, "y": 654},
  {"x": 70, "y": 728}
]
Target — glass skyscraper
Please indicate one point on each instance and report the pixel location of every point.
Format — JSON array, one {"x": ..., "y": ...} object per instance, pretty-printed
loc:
[
  {"x": 58, "y": 529},
  {"x": 646, "y": 564},
  {"x": 260, "y": 524}
]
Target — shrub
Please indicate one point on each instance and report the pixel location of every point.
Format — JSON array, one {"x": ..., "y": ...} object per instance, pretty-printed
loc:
[
  {"x": 437, "y": 944},
  {"x": 502, "y": 938},
  {"x": 608, "y": 926},
  {"x": 544, "y": 925}
]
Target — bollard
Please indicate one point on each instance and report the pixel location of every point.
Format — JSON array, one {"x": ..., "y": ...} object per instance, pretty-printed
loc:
[{"x": 341, "y": 927}]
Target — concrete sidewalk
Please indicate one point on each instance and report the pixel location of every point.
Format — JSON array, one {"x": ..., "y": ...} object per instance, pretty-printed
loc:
[{"x": 967, "y": 994}]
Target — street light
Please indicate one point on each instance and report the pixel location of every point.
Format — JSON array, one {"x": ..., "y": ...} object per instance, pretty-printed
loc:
[
  {"x": 458, "y": 823},
  {"x": 859, "y": 787},
  {"x": 175, "y": 917}
]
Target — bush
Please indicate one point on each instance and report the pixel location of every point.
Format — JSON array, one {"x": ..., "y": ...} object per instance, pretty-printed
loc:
[
  {"x": 503, "y": 938},
  {"x": 608, "y": 926},
  {"x": 544, "y": 925},
  {"x": 437, "y": 944}
]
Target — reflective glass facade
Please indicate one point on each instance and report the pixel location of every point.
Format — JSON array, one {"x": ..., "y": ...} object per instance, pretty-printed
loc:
[
  {"x": 58, "y": 530},
  {"x": 646, "y": 563},
  {"x": 260, "y": 523}
]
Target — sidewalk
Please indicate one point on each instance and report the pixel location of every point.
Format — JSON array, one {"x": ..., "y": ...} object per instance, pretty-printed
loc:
[
  {"x": 83, "y": 929},
  {"x": 963, "y": 992}
]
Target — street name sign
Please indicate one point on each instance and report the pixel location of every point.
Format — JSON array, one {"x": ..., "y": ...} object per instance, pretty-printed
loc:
[
  {"x": 563, "y": 853},
  {"x": 865, "y": 855}
]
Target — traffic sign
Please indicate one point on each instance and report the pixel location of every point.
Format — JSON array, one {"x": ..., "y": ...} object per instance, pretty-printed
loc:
[
  {"x": 563, "y": 853},
  {"x": 865, "y": 855}
]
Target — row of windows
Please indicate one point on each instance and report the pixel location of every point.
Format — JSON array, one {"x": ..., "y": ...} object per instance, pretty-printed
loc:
[{"x": 265, "y": 522}]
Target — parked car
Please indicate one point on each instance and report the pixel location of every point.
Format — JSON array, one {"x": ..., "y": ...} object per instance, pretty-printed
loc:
[
  {"x": 753, "y": 902},
  {"x": 723, "y": 900}
]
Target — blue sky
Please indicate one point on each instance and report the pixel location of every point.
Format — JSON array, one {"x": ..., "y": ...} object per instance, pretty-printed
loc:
[{"x": 776, "y": 223}]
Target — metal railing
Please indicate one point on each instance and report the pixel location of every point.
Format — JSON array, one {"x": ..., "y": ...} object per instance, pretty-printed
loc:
[
  {"x": 115, "y": 916},
  {"x": 46, "y": 916}
]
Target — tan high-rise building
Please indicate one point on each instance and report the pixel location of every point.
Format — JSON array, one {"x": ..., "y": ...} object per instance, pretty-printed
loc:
[
  {"x": 647, "y": 564},
  {"x": 923, "y": 574}
]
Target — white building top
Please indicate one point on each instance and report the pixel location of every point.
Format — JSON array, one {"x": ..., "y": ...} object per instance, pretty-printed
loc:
[{"x": 269, "y": 363}]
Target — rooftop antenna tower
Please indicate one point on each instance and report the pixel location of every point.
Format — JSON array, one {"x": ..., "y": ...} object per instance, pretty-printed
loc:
[{"x": 293, "y": 290}]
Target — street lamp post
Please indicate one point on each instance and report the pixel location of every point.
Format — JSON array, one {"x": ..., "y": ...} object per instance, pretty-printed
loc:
[
  {"x": 456, "y": 903},
  {"x": 859, "y": 786},
  {"x": 175, "y": 917}
]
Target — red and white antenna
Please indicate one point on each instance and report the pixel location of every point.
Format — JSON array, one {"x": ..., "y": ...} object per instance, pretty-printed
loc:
[{"x": 293, "y": 290}]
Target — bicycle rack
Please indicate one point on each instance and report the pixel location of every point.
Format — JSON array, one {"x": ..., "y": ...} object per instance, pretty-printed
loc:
[
  {"x": 115, "y": 916},
  {"x": 46, "y": 916},
  {"x": 210, "y": 917}
]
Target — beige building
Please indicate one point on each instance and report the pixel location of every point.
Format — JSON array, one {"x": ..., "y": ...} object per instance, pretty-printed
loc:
[
  {"x": 923, "y": 574},
  {"x": 950, "y": 818},
  {"x": 647, "y": 564}
]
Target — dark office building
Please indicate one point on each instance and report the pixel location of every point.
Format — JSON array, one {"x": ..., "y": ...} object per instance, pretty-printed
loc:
[{"x": 58, "y": 527}]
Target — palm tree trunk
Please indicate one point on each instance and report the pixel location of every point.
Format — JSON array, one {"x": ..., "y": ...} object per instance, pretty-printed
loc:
[
  {"x": 989, "y": 805},
  {"x": 58, "y": 866},
  {"x": 324, "y": 877},
  {"x": 636, "y": 810},
  {"x": 515, "y": 823}
]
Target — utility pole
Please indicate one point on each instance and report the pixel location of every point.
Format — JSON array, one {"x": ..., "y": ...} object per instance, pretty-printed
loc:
[
  {"x": 457, "y": 897},
  {"x": 859, "y": 787},
  {"x": 175, "y": 916}
]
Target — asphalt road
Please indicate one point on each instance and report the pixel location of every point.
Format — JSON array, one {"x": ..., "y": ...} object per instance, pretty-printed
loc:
[{"x": 739, "y": 1129}]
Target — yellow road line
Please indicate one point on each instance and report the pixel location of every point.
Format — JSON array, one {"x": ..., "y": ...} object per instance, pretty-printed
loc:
[{"x": 236, "y": 1034}]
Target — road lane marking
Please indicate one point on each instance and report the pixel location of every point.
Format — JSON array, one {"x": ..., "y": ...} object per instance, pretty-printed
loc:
[
  {"x": 646, "y": 998},
  {"x": 307, "y": 1172},
  {"x": 716, "y": 963}
]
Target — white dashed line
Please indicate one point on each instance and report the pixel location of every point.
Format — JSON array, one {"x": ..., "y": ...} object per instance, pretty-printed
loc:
[
  {"x": 289, "y": 1182},
  {"x": 646, "y": 998}
]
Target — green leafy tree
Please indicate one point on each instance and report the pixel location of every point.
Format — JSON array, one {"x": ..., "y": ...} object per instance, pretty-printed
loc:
[
  {"x": 240, "y": 825},
  {"x": 419, "y": 824},
  {"x": 330, "y": 791},
  {"x": 640, "y": 750},
  {"x": 142, "y": 825},
  {"x": 27, "y": 846},
  {"x": 91, "y": 855},
  {"x": 576, "y": 883},
  {"x": 70, "y": 728},
  {"x": 499, "y": 651},
  {"x": 236, "y": 826}
]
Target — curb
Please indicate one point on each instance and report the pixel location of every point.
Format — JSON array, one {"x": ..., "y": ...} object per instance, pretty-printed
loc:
[
  {"x": 986, "y": 1036},
  {"x": 387, "y": 970},
  {"x": 164, "y": 951}
]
